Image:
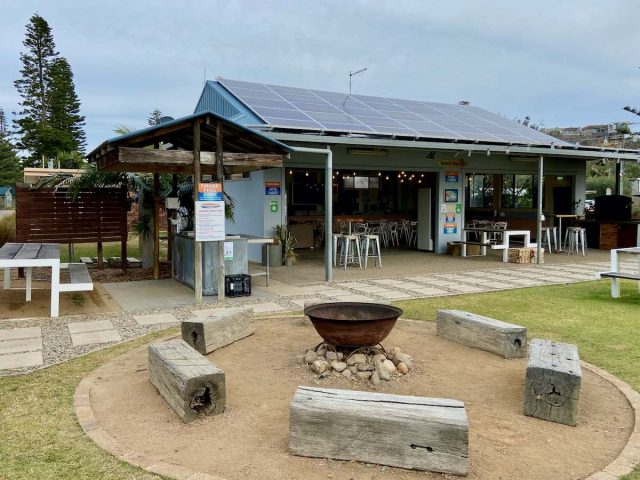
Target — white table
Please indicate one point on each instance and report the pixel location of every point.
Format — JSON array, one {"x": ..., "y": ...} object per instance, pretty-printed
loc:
[
  {"x": 506, "y": 238},
  {"x": 615, "y": 269},
  {"x": 29, "y": 255}
]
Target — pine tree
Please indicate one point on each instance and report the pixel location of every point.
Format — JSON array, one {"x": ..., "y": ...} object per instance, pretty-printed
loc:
[
  {"x": 50, "y": 119},
  {"x": 154, "y": 117},
  {"x": 64, "y": 119},
  {"x": 33, "y": 86},
  {"x": 9, "y": 167}
]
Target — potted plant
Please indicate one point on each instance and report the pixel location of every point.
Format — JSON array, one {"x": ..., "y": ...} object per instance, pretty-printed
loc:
[{"x": 288, "y": 242}]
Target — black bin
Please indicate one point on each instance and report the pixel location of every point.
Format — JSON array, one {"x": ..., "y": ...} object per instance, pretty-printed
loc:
[{"x": 237, "y": 285}]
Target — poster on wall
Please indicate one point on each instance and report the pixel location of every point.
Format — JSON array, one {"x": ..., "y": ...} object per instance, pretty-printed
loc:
[
  {"x": 209, "y": 221},
  {"x": 451, "y": 195},
  {"x": 450, "y": 228},
  {"x": 451, "y": 177},
  {"x": 272, "y": 188},
  {"x": 450, "y": 218},
  {"x": 228, "y": 250},
  {"x": 211, "y": 192}
]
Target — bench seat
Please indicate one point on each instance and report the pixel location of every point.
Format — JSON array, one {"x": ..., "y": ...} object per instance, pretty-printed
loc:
[
  {"x": 80, "y": 280},
  {"x": 625, "y": 276}
]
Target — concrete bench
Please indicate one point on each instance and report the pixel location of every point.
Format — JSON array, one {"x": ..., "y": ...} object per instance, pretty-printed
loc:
[
  {"x": 502, "y": 338},
  {"x": 79, "y": 279},
  {"x": 401, "y": 431},
  {"x": 226, "y": 327},
  {"x": 188, "y": 382},
  {"x": 552, "y": 382}
]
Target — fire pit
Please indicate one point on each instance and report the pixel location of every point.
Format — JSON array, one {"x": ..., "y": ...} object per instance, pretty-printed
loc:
[{"x": 353, "y": 324}]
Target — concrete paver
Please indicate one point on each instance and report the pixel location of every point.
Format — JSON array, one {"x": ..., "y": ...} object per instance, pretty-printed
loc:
[
  {"x": 99, "y": 336},
  {"x": 20, "y": 333},
  {"x": 21, "y": 360},
  {"x": 21, "y": 345},
  {"x": 267, "y": 307},
  {"x": 87, "y": 333},
  {"x": 155, "y": 319}
]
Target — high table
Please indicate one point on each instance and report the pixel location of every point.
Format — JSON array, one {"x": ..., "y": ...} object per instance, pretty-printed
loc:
[
  {"x": 29, "y": 255},
  {"x": 560, "y": 216}
]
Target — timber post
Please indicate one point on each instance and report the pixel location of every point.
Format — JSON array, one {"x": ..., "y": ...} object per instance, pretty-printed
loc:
[
  {"x": 156, "y": 226},
  {"x": 220, "y": 175},
  {"x": 197, "y": 284}
]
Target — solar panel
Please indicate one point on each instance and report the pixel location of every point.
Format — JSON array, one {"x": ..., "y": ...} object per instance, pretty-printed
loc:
[{"x": 317, "y": 110}]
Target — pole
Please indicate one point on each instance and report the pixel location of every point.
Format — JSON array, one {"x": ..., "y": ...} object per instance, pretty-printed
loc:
[
  {"x": 220, "y": 175},
  {"x": 328, "y": 207},
  {"x": 197, "y": 278},
  {"x": 539, "y": 215},
  {"x": 156, "y": 226}
]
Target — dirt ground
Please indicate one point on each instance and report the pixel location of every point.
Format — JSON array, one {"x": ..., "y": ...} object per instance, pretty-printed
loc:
[
  {"x": 249, "y": 441},
  {"x": 13, "y": 304}
]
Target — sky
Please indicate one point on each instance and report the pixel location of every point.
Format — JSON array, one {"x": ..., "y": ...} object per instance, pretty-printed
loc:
[{"x": 561, "y": 62}]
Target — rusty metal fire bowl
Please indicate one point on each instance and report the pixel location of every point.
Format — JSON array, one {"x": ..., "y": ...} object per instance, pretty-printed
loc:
[{"x": 354, "y": 324}]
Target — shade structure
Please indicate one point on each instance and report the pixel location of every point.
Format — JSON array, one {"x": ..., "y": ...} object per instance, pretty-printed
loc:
[{"x": 244, "y": 149}]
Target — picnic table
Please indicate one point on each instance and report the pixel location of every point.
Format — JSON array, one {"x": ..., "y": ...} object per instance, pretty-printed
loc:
[
  {"x": 30, "y": 255},
  {"x": 615, "y": 274},
  {"x": 484, "y": 240}
]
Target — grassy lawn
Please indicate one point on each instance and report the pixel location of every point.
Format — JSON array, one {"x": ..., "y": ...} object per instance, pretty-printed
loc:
[
  {"x": 40, "y": 438},
  {"x": 109, "y": 249}
]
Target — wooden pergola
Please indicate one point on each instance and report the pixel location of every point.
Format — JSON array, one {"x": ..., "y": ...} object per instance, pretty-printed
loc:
[{"x": 200, "y": 144}]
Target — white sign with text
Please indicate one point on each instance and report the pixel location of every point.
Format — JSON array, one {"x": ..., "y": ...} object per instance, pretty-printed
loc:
[{"x": 209, "y": 221}]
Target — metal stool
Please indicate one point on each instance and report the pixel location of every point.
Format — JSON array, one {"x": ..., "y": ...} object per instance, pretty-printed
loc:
[
  {"x": 547, "y": 233},
  {"x": 336, "y": 243},
  {"x": 372, "y": 249},
  {"x": 576, "y": 237},
  {"x": 351, "y": 242}
]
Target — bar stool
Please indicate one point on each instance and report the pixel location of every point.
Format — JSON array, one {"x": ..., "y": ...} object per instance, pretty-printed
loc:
[
  {"x": 576, "y": 237},
  {"x": 372, "y": 249},
  {"x": 336, "y": 243},
  {"x": 548, "y": 234},
  {"x": 351, "y": 242}
]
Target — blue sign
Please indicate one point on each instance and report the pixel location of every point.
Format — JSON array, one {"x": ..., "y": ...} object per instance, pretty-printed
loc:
[
  {"x": 272, "y": 188},
  {"x": 210, "y": 192}
]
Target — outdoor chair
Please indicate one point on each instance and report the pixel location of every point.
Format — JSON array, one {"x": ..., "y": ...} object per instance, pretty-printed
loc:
[
  {"x": 371, "y": 248},
  {"x": 575, "y": 237},
  {"x": 497, "y": 237},
  {"x": 351, "y": 251}
]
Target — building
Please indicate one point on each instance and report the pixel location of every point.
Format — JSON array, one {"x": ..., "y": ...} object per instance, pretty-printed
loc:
[
  {"x": 396, "y": 159},
  {"x": 6, "y": 196}
]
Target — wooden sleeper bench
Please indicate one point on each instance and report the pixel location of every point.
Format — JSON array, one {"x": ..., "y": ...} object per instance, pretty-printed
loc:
[
  {"x": 188, "y": 382},
  {"x": 502, "y": 338},
  {"x": 553, "y": 381},
  {"x": 230, "y": 325},
  {"x": 401, "y": 431}
]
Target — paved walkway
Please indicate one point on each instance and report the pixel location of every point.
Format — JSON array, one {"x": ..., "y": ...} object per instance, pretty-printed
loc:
[{"x": 27, "y": 344}]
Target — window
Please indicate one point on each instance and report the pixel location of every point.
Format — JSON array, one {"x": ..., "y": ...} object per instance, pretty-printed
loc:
[
  {"x": 519, "y": 191},
  {"x": 479, "y": 191}
]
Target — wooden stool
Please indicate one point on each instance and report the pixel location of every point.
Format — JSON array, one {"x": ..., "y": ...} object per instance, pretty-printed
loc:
[{"x": 372, "y": 249}]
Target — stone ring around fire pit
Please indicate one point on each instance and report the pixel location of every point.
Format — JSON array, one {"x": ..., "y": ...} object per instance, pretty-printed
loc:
[{"x": 353, "y": 324}]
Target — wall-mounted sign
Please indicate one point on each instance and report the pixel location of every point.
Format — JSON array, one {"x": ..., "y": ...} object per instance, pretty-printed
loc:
[
  {"x": 209, "y": 221},
  {"x": 210, "y": 192},
  {"x": 228, "y": 250},
  {"x": 452, "y": 163},
  {"x": 458, "y": 208},
  {"x": 273, "y": 206},
  {"x": 272, "y": 188},
  {"x": 450, "y": 218},
  {"x": 451, "y": 195},
  {"x": 451, "y": 177},
  {"x": 450, "y": 228}
]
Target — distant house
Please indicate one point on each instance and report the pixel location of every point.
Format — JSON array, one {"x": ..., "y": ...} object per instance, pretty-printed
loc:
[{"x": 6, "y": 196}]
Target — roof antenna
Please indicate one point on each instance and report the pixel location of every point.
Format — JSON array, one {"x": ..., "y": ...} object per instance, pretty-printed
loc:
[
  {"x": 205, "y": 74},
  {"x": 351, "y": 74}
]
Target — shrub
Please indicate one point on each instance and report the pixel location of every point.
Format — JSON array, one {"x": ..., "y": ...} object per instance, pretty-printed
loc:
[{"x": 7, "y": 229}]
